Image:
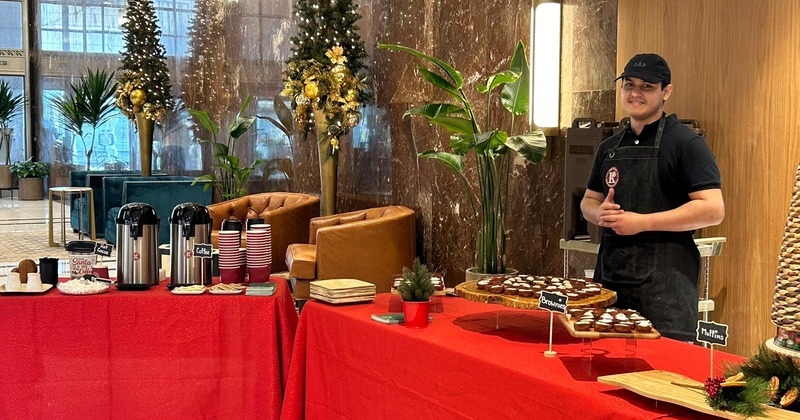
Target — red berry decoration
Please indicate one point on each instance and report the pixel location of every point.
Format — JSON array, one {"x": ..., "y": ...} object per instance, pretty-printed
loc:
[{"x": 713, "y": 385}]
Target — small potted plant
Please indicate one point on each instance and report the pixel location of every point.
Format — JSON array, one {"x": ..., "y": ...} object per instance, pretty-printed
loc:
[
  {"x": 416, "y": 290},
  {"x": 10, "y": 108},
  {"x": 31, "y": 178}
]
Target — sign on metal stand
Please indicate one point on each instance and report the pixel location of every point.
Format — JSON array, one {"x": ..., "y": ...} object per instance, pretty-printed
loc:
[{"x": 712, "y": 334}]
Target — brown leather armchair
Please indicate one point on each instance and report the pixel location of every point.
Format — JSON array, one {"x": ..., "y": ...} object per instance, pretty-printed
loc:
[
  {"x": 370, "y": 245},
  {"x": 288, "y": 213}
]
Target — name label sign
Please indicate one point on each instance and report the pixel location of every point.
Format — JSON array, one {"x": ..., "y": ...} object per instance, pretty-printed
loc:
[
  {"x": 103, "y": 249},
  {"x": 712, "y": 333},
  {"x": 202, "y": 250},
  {"x": 553, "y": 302}
]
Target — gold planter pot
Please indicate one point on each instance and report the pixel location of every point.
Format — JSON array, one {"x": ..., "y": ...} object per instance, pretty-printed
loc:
[
  {"x": 145, "y": 128},
  {"x": 328, "y": 166}
]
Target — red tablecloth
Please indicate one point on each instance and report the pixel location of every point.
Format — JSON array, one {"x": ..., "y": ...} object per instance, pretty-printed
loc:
[
  {"x": 145, "y": 354},
  {"x": 346, "y": 366}
]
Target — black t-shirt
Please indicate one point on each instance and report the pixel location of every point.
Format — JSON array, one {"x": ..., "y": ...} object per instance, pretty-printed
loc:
[{"x": 685, "y": 163}]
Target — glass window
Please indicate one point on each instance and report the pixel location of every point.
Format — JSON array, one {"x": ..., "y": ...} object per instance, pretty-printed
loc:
[{"x": 11, "y": 25}]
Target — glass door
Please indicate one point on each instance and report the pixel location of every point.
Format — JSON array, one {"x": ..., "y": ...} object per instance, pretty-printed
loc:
[{"x": 14, "y": 72}]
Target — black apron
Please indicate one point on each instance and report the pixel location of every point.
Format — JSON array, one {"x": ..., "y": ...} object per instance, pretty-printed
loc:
[{"x": 655, "y": 273}]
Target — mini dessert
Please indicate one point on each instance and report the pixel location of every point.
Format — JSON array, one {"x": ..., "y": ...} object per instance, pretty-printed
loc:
[
  {"x": 623, "y": 327},
  {"x": 598, "y": 311},
  {"x": 620, "y": 317},
  {"x": 600, "y": 326},
  {"x": 636, "y": 317},
  {"x": 577, "y": 312},
  {"x": 583, "y": 325},
  {"x": 524, "y": 292},
  {"x": 483, "y": 284},
  {"x": 497, "y": 288},
  {"x": 508, "y": 282},
  {"x": 644, "y": 327},
  {"x": 552, "y": 288},
  {"x": 511, "y": 290}
]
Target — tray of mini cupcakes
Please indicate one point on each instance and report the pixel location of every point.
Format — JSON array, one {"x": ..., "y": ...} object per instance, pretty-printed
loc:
[
  {"x": 523, "y": 291},
  {"x": 608, "y": 323},
  {"x": 436, "y": 279}
]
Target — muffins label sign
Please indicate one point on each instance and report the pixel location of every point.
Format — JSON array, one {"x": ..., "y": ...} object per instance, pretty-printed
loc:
[
  {"x": 712, "y": 333},
  {"x": 553, "y": 302}
]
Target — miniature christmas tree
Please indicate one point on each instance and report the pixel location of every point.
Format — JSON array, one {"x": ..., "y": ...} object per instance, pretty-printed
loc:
[
  {"x": 205, "y": 84},
  {"x": 784, "y": 306}
]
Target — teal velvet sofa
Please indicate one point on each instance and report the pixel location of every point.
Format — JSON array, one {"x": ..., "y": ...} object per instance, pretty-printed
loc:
[
  {"x": 83, "y": 179},
  {"x": 161, "y": 192}
]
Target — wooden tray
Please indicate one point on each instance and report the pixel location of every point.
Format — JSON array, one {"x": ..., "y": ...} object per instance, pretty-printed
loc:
[
  {"x": 570, "y": 324},
  {"x": 657, "y": 384},
  {"x": 469, "y": 291}
]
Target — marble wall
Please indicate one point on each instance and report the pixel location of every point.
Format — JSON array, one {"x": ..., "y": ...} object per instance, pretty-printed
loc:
[{"x": 380, "y": 165}]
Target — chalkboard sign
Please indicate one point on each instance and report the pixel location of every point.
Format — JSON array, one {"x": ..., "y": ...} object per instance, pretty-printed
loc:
[
  {"x": 553, "y": 302},
  {"x": 202, "y": 250},
  {"x": 712, "y": 333},
  {"x": 103, "y": 249}
]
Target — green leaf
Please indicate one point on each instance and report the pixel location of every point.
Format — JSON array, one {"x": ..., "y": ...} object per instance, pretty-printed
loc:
[
  {"x": 205, "y": 121},
  {"x": 531, "y": 146},
  {"x": 452, "y": 161},
  {"x": 454, "y": 124},
  {"x": 454, "y": 74},
  {"x": 489, "y": 141},
  {"x": 240, "y": 125},
  {"x": 435, "y": 110},
  {"x": 495, "y": 80},
  {"x": 279, "y": 125},
  {"x": 515, "y": 95},
  {"x": 284, "y": 115},
  {"x": 440, "y": 82},
  {"x": 462, "y": 144}
]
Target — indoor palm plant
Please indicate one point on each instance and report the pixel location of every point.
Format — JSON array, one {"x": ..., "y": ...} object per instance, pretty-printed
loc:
[
  {"x": 416, "y": 290},
  {"x": 31, "y": 178},
  {"x": 10, "y": 108},
  {"x": 490, "y": 145},
  {"x": 229, "y": 178},
  {"x": 87, "y": 102}
]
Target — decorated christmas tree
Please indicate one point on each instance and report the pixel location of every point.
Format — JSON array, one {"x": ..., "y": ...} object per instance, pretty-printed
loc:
[
  {"x": 205, "y": 85},
  {"x": 144, "y": 85}
]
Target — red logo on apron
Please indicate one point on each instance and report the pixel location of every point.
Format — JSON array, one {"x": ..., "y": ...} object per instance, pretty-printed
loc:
[
  {"x": 136, "y": 256},
  {"x": 612, "y": 177},
  {"x": 187, "y": 253}
]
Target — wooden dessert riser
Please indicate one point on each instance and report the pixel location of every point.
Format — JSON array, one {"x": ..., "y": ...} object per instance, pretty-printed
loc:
[{"x": 469, "y": 290}]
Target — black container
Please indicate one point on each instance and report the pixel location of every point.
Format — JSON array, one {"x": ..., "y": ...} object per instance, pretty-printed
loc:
[
  {"x": 251, "y": 222},
  {"x": 230, "y": 224},
  {"x": 48, "y": 267}
]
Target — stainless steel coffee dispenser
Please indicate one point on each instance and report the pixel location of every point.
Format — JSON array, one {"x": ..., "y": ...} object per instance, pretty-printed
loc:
[
  {"x": 137, "y": 246},
  {"x": 190, "y": 224}
]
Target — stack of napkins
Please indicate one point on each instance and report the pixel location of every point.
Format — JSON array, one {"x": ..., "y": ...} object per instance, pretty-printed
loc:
[
  {"x": 343, "y": 291},
  {"x": 260, "y": 289}
]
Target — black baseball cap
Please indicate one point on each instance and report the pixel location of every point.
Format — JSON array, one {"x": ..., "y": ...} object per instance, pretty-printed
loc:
[{"x": 648, "y": 67}]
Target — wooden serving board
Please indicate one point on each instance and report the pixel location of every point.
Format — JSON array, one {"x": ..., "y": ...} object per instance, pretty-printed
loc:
[
  {"x": 469, "y": 291},
  {"x": 570, "y": 324},
  {"x": 658, "y": 385}
]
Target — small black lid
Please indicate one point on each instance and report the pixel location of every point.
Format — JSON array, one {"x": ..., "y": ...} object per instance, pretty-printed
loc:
[
  {"x": 190, "y": 214},
  {"x": 80, "y": 246},
  {"x": 137, "y": 214}
]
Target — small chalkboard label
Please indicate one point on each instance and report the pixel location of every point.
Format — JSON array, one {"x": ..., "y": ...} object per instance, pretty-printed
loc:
[
  {"x": 553, "y": 302},
  {"x": 712, "y": 333},
  {"x": 103, "y": 249},
  {"x": 202, "y": 250}
]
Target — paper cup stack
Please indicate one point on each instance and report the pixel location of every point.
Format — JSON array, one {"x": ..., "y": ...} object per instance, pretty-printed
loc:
[
  {"x": 259, "y": 253},
  {"x": 231, "y": 257}
]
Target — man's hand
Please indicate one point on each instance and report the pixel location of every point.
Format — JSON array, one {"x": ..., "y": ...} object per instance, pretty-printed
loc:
[{"x": 622, "y": 222}]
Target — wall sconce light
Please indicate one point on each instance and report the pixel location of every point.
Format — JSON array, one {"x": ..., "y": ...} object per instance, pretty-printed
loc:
[{"x": 546, "y": 78}]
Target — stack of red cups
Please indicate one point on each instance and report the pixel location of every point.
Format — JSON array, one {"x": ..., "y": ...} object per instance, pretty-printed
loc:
[
  {"x": 231, "y": 257},
  {"x": 259, "y": 253}
]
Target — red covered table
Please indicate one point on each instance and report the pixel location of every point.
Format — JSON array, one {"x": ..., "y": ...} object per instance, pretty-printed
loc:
[
  {"x": 346, "y": 366},
  {"x": 145, "y": 354}
]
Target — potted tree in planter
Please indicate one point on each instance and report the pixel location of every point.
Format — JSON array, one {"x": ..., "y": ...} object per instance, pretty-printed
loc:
[
  {"x": 10, "y": 108},
  {"x": 31, "y": 178},
  {"x": 416, "y": 290},
  {"x": 491, "y": 145}
]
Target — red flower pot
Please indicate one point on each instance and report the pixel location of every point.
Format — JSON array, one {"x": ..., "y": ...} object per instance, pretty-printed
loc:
[{"x": 416, "y": 314}]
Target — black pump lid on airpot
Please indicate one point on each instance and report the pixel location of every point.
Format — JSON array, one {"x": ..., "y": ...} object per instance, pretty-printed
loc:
[
  {"x": 189, "y": 215},
  {"x": 137, "y": 215}
]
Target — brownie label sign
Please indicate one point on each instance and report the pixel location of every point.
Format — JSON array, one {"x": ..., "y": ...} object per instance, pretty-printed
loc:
[
  {"x": 202, "y": 250},
  {"x": 553, "y": 302},
  {"x": 712, "y": 333},
  {"x": 103, "y": 249}
]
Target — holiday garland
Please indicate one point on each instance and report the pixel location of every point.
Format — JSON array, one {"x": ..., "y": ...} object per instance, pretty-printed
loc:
[
  {"x": 323, "y": 72},
  {"x": 144, "y": 84}
]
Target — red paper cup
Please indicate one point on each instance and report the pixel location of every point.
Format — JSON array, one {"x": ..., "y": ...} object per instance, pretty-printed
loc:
[
  {"x": 259, "y": 275},
  {"x": 232, "y": 275}
]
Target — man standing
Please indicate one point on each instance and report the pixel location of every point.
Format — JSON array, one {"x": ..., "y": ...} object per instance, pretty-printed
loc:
[{"x": 651, "y": 186}]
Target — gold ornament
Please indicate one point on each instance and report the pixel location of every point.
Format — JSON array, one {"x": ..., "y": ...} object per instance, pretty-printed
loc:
[
  {"x": 138, "y": 97},
  {"x": 351, "y": 95},
  {"x": 335, "y": 143},
  {"x": 340, "y": 72},
  {"x": 311, "y": 90}
]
